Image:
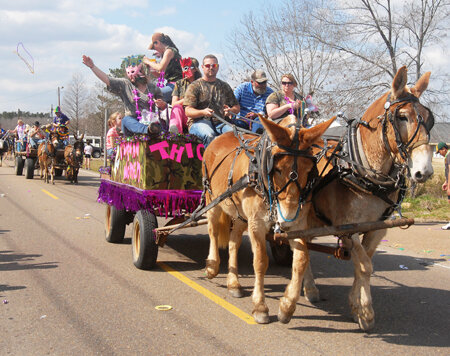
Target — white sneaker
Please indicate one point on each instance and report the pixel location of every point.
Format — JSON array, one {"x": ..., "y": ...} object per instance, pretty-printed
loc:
[{"x": 446, "y": 227}]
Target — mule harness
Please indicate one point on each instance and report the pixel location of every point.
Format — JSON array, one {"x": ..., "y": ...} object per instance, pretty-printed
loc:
[
  {"x": 259, "y": 175},
  {"x": 350, "y": 168}
]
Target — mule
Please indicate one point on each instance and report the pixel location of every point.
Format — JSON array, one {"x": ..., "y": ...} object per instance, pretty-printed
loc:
[
  {"x": 391, "y": 142},
  {"x": 284, "y": 160},
  {"x": 4, "y": 147},
  {"x": 73, "y": 156},
  {"x": 47, "y": 157}
]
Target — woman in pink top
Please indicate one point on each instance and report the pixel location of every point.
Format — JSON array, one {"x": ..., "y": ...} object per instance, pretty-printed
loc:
[{"x": 114, "y": 122}]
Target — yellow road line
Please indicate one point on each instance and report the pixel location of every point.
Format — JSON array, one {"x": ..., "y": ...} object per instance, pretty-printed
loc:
[
  {"x": 50, "y": 194},
  {"x": 216, "y": 299}
]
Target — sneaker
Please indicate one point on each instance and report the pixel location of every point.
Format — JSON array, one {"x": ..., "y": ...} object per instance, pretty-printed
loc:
[
  {"x": 154, "y": 128},
  {"x": 446, "y": 227}
]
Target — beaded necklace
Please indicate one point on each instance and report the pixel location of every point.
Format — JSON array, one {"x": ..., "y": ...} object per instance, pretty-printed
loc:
[
  {"x": 136, "y": 99},
  {"x": 289, "y": 101}
]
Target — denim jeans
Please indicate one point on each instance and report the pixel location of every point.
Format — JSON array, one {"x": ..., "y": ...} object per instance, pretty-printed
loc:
[
  {"x": 167, "y": 92},
  {"x": 131, "y": 126},
  {"x": 35, "y": 142},
  {"x": 207, "y": 131}
]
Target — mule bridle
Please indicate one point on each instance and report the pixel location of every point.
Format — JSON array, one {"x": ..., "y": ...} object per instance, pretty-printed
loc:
[
  {"x": 392, "y": 117},
  {"x": 268, "y": 163}
]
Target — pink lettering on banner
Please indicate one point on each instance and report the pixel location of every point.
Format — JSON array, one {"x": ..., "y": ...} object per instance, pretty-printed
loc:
[
  {"x": 129, "y": 150},
  {"x": 176, "y": 151},
  {"x": 160, "y": 147},
  {"x": 199, "y": 154},
  {"x": 189, "y": 152},
  {"x": 132, "y": 171}
]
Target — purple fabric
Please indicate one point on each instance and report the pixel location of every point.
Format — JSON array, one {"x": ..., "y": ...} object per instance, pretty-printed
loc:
[{"x": 162, "y": 202}]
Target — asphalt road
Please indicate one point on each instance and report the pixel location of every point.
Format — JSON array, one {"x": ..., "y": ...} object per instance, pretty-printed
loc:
[{"x": 66, "y": 291}]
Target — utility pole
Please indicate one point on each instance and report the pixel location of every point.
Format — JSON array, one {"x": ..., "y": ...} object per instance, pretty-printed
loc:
[{"x": 59, "y": 95}]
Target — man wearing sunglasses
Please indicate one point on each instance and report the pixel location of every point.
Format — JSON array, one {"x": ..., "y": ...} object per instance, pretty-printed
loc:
[
  {"x": 252, "y": 99},
  {"x": 208, "y": 96}
]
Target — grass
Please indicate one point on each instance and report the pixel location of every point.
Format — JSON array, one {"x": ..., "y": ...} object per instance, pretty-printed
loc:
[
  {"x": 429, "y": 202},
  {"x": 96, "y": 163}
]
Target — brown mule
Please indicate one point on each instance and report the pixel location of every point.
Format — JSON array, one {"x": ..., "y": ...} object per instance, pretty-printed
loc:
[
  {"x": 248, "y": 209},
  {"x": 404, "y": 147},
  {"x": 47, "y": 157}
]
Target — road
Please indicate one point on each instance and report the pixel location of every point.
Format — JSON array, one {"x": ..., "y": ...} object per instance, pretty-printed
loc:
[{"x": 66, "y": 291}]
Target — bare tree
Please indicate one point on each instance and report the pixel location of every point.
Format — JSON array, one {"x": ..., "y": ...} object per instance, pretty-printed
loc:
[
  {"x": 346, "y": 51},
  {"x": 75, "y": 102}
]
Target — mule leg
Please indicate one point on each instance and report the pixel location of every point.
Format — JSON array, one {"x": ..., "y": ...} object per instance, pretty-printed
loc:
[
  {"x": 360, "y": 299},
  {"x": 233, "y": 285},
  {"x": 213, "y": 260},
  {"x": 257, "y": 235},
  {"x": 309, "y": 286},
  {"x": 52, "y": 173},
  {"x": 300, "y": 262}
]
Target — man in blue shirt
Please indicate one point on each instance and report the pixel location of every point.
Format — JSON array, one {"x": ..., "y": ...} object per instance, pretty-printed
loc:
[{"x": 252, "y": 99}]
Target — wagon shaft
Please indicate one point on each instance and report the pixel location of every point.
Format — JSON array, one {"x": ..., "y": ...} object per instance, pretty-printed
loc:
[{"x": 344, "y": 229}]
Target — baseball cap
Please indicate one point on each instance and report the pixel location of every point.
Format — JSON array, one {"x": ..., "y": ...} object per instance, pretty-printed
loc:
[
  {"x": 441, "y": 145},
  {"x": 259, "y": 76}
]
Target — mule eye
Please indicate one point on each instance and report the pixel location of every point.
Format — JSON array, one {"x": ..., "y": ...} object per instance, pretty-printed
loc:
[{"x": 403, "y": 118}]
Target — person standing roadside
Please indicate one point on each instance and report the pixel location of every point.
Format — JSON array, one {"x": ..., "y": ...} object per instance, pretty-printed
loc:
[
  {"x": 252, "y": 98},
  {"x": 87, "y": 154},
  {"x": 208, "y": 96},
  {"x": 442, "y": 148}
]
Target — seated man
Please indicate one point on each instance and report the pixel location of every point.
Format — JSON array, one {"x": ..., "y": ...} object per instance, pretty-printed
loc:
[
  {"x": 252, "y": 99},
  {"x": 61, "y": 126},
  {"x": 136, "y": 92},
  {"x": 208, "y": 96},
  {"x": 36, "y": 135}
]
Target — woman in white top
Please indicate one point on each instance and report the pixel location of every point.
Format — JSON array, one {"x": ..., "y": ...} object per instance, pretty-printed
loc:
[{"x": 87, "y": 154}]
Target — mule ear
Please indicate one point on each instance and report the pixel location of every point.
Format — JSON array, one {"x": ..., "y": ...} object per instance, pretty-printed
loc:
[
  {"x": 421, "y": 85},
  {"x": 82, "y": 136},
  {"x": 276, "y": 133},
  {"x": 75, "y": 136},
  {"x": 399, "y": 83},
  {"x": 312, "y": 134}
]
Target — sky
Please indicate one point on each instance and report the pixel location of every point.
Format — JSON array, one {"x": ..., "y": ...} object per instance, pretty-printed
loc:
[{"x": 55, "y": 34}]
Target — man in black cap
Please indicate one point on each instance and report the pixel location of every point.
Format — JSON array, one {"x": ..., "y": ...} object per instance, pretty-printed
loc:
[
  {"x": 252, "y": 99},
  {"x": 36, "y": 135},
  {"x": 442, "y": 148}
]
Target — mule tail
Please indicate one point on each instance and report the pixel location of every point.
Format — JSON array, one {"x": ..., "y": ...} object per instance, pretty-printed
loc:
[{"x": 224, "y": 229}]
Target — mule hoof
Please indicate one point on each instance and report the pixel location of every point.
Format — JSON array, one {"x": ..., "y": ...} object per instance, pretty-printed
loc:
[
  {"x": 312, "y": 295},
  {"x": 283, "y": 317},
  {"x": 236, "y": 292},
  {"x": 261, "y": 317},
  {"x": 366, "y": 325}
]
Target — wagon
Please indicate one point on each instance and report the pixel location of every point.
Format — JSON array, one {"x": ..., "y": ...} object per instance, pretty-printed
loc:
[
  {"x": 29, "y": 161},
  {"x": 150, "y": 177}
]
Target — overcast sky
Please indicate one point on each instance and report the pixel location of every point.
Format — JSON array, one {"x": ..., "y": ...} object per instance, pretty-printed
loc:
[{"x": 55, "y": 34}]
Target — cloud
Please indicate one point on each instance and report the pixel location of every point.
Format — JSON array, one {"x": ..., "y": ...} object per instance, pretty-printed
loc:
[
  {"x": 57, "y": 35},
  {"x": 170, "y": 10}
]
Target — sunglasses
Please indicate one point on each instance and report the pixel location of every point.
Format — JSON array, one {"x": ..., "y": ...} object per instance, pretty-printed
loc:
[
  {"x": 214, "y": 66},
  {"x": 187, "y": 67},
  {"x": 286, "y": 83}
]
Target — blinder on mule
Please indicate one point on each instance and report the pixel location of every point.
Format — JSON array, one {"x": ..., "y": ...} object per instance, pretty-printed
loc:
[
  {"x": 393, "y": 118},
  {"x": 293, "y": 174}
]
